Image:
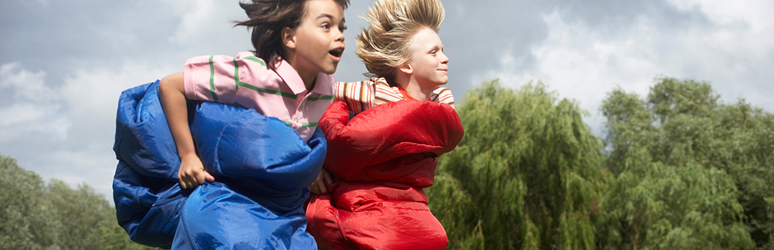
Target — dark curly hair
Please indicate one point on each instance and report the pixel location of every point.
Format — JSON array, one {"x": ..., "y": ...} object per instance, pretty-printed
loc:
[{"x": 268, "y": 18}]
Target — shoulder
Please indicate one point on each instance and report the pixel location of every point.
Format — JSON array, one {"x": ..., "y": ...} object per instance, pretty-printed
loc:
[
  {"x": 354, "y": 86},
  {"x": 249, "y": 58},
  {"x": 442, "y": 95},
  {"x": 386, "y": 93},
  {"x": 358, "y": 95},
  {"x": 245, "y": 58}
]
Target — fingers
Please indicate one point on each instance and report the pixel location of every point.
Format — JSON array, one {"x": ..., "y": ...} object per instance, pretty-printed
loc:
[
  {"x": 187, "y": 180},
  {"x": 182, "y": 178},
  {"x": 321, "y": 187},
  {"x": 326, "y": 177},
  {"x": 199, "y": 177},
  {"x": 208, "y": 176},
  {"x": 313, "y": 188},
  {"x": 193, "y": 178},
  {"x": 318, "y": 188}
]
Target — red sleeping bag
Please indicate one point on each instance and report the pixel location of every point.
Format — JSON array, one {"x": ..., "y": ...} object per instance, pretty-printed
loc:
[{"x": 381, "y": 161}]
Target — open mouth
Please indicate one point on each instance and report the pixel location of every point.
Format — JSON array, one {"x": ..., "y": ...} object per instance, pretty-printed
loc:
[{"x": 336, "y": 52}]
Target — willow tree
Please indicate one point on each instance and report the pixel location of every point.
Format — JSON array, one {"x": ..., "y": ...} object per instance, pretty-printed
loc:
[
  {"x": 691, "y": 173},
  {"x": 34, "y": 215},
  {"x": 25, "y": 214},
  {"x": 525, "y": 176}
]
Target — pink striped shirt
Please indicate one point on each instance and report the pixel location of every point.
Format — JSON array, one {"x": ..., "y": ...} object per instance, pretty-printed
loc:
[
  {"x": 367, "y": 94},
  {"x": 245, "y": 81}
]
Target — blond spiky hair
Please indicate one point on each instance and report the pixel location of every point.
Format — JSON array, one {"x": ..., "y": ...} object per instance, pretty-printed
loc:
[{"x": 393, "y": 23}]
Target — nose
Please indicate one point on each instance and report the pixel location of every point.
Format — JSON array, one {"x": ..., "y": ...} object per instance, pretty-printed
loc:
[
  {"x": 444, "y": 58},
  {"x": 339, "y": 37}
]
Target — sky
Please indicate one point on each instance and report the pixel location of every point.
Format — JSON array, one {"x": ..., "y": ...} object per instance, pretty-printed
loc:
[{"x": 63, "y": 64}]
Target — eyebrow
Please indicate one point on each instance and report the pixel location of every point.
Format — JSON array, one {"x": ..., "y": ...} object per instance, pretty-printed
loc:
[{"x": 324, "y": 15}]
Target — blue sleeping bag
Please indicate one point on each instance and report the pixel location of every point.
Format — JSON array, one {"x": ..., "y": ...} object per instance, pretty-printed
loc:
[{"x": 262, "y": 171}]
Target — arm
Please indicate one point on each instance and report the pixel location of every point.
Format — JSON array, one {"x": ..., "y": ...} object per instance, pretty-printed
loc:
[
  {"x": 172, "y": 95},
  {"x": 359, "y": 96}
]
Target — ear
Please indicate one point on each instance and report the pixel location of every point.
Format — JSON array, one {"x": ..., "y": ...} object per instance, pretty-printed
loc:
[
  {"x": 406, "y": 68},
  {"x": 289, "y": 37}
]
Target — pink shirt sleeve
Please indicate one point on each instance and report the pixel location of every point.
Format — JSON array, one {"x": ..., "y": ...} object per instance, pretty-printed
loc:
[
  {"x": 209, "y": 78},
  {"x": 217, "y": 78}
]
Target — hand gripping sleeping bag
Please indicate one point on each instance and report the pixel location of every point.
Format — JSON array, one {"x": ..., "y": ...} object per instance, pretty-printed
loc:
[
  {"x": 382, "y": 160},
  {"x": 262, "y": 171}
]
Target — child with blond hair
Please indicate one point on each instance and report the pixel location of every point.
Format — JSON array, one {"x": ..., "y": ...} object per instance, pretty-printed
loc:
[{"x": 385, "y": 134}]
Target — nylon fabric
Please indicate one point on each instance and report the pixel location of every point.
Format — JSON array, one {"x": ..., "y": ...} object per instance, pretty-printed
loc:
[
  {"x": 382, "y": 160},
  {"x": 262, "y": 171}
]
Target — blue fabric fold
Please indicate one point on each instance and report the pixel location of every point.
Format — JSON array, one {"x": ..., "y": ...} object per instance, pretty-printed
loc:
[{"x": 262, "y": 171}]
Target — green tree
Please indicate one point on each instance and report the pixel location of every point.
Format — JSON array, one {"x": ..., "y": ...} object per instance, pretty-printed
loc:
[
  {"x": 690, "y": 173},
  {"x": 82, "y": 214},
  {"x": 54, "y": 216},
  {"x": 526, "y": 175},
  {"x": 25, "y": 214}
]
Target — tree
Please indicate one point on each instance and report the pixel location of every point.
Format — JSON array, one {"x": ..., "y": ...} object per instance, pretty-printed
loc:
[
  {"x": 24, "y": 212},
  {"x": 687, "y": 166},
  {"x": 81, "y": 213},
  {"x": 526, "y": 175},
  {"x": 54, "y": 216}
]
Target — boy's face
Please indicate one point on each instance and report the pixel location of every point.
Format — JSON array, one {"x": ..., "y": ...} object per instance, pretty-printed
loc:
[
  {"x": 320, "y": 37},
  {"x": 428, "y": 62}
]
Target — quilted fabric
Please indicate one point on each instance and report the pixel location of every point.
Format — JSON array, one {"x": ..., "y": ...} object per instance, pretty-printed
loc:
[
  {"x": 382, "y": 160},
  {"x": 262, "y": 171}
]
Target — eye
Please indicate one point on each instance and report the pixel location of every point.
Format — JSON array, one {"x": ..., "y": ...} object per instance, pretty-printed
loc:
[
  {"x": 342, "y": 28},
  {"x": 326, "y": 26}
]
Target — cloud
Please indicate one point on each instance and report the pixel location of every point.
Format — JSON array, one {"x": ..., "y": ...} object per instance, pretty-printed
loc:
[
  {"x": 63, "y": 64},
  {"x": 66, "y": 132},
  {"x": 32, "y": 106},
  {"x": 478, "y": 36},
  {"x": 590, "y": 49}
]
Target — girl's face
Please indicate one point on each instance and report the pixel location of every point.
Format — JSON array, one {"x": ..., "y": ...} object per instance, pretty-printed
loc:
[
  {"x": 428, "y": 62},
  {"x": 319, "y": 38}
]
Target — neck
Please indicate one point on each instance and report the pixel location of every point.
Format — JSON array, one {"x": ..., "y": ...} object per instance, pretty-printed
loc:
[
  {"x": 410, "y": 85},
  {"x": 307, "y": 76}
]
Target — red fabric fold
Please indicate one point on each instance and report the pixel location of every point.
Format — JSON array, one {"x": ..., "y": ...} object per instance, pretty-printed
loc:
[
  {"x": 386, "y": 132},
  {"x": 382, "y": 160}
]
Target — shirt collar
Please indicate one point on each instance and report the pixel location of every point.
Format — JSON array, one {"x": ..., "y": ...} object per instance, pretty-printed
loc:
[
  {"x": 323, "y": 84},
  {"x": 290, "y": 76}
]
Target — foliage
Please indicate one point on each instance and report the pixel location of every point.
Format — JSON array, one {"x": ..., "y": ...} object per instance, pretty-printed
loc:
[
  {"x": 34, "y": 215},
  {"x": 691, "y": 173},
  {"x": 680, "y": 171},
  {"x": 24, "y": 212},
  {"x": 525, "y": 176}
]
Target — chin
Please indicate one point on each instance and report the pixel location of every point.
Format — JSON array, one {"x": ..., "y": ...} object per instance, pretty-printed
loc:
[
  {"x": 330, "y": 72},
  {"x": 331, "y": 69}
]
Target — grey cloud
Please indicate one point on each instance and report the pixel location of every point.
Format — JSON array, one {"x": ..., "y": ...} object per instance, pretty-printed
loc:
[
  {"x": 476, "y": 35},
  {"x": 61, "y": 37},
  {"x": 52, "y": 36}
]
